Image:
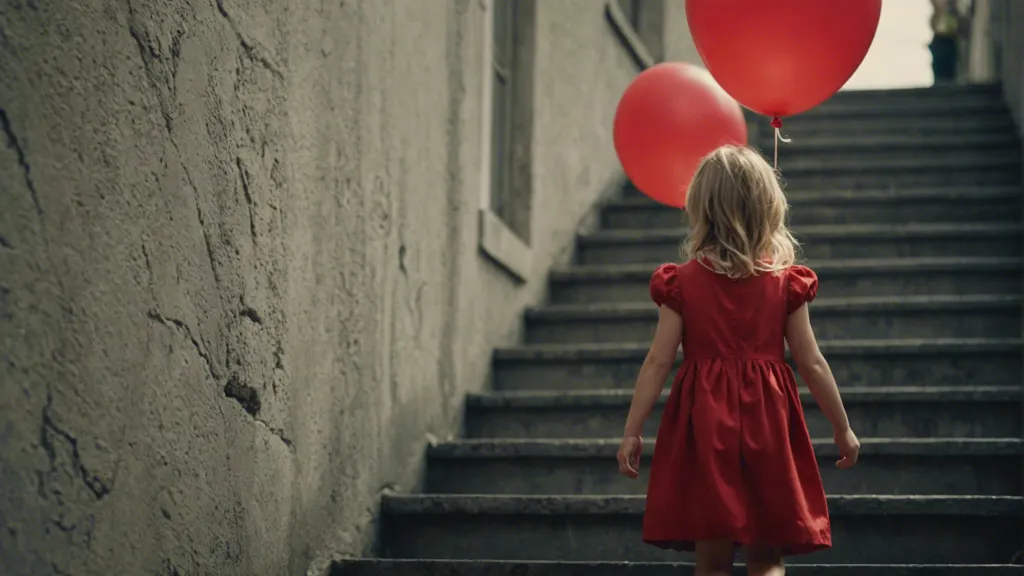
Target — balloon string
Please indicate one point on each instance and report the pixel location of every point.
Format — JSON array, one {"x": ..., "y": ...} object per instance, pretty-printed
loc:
[{"x": 777, "y": 125}]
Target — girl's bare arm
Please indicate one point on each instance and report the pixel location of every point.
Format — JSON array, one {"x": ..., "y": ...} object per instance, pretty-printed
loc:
[
  {"x": 655, "y": 369},
  {"x": 814, "y": 368}
]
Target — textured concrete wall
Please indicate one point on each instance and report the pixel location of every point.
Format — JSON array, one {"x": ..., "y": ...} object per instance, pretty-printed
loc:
[
  {"x": 651, "y": 27},
  {"x": 678, "y": 44},
  {"x": 239, "y": 274},
  {"x": 1012, "y": 57},
  {"x": 1010, "y": 33},
  {"x": 1012, "y": 66}
]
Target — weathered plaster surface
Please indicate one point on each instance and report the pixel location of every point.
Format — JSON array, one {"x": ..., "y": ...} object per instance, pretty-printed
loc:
[
  {"x": 239, "y": 274},
  {"x": 678, "y": 44},
  {"x": 1011, "y": 69}
]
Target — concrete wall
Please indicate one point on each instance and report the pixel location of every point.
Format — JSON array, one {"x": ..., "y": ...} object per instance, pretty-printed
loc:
[
  {"x": 678, "y": 44},
  {"x": 663, "y": 31},
  {"x": 239, "y": 273},
  {"x": 1007, "y": 31},
  {"x": 1010, "y": 34},
  {"x": 1005, "y": 39}
]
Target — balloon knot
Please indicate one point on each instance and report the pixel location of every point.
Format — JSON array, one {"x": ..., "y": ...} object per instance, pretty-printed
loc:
[{"x": 776, "y": 122}]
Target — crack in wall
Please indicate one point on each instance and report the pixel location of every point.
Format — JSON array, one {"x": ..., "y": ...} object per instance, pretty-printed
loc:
[
  {"x": 176, "y": 324},
  {"x": 251, "y": 204},
  {"x": 246, "y": 396},
  {"x": 15, "y": 145},
  {"x": 149, "y": 266},
  {"x": 279, "y": 432},
  {"x": 22, "y": 158},
  {"x": 145, "y": 52},
  {"x": 279, "y": 357},
  {"x": 251, "y": 314},
  {"x": 254, "y": 51},
  {"x": 199, "y": 214},
  {"x": 249, "y": 399},
  {"x": 149, "y": 54},
  {"x": 50, "y": 432},
  {"x": 5, "y": 314}
]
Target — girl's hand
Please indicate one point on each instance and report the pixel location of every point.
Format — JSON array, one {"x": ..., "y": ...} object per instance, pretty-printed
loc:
[
  {"x": 629, "y": 456},
  {"x": 849, "y": 448}
]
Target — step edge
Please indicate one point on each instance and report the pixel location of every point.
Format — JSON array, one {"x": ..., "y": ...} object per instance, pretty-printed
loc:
[
  {"x": 601, "y": 564},
  {"x": 879, "y": 194},
  {"x": 475, "y": 449},
  {"x": 851, "y": 395},
  {"x": 547, "y": 312},
  {"x": 819, "y": 232},
  {"x": 890, "y": 346},
  {"x": 632, "y": 505},
  {"x": 832, "y": 266}
]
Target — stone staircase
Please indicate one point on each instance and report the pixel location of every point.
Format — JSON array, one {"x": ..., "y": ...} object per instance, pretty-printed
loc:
[{"x": 909, "y": 206}]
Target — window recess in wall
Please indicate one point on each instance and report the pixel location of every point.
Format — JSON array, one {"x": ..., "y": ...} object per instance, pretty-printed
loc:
[
  {"x": 631, "y": 8},
  {"x": 505, "y": 219}
]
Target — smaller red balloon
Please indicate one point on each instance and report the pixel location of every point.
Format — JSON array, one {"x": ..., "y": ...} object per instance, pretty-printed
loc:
[{"x": 670, "y": 117}]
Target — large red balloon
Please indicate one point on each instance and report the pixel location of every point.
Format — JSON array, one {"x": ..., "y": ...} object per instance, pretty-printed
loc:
[
  {"x": 782, "y": 57},
  {"x": 671, "y": 116}
]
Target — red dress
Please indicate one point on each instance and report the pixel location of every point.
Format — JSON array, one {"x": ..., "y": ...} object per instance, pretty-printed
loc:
[{"x": 734, "y": 460}]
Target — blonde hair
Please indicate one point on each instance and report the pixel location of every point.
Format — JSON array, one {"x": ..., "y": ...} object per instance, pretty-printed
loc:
[{"x": 738, "y": 215}]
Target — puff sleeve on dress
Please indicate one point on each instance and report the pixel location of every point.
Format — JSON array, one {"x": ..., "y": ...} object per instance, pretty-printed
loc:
[
  {"x": 802, "y": 287},
  {"x": 665, "y": 287}
]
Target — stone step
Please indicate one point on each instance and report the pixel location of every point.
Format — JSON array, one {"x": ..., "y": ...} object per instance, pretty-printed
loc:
[
  {"x": 994, "y": 168},
  {"x": 839, "y": 278},
  {"x": 801, "y": 127},
  {"x": 879, "y": 411},
  {"x": 865, "y": 529},
  {"x": 965, "y": 316},
  {"x": 823, "y": 241},
  {"x": 882, "y": 206},
  {"x": 845, "y": 146},
  {"x": 390, "y": 567},
  {"x": 950, "y": 466},
  {"x": 997, "y": 168},
  {"x": 853, "y": 171},
  {"x": 831, "y": 153},
  {"x": 891, "y": 166},
  {"x": 925, "y": 362},
  {"x": 811, "y": 178},
  {"x": 947, "y": 93},
  {"x": 942, "y": 99},
  {"x": 809, "y": 181},
  {"x": 836, "y": 157},
  {"x": 981, "y": 107}
]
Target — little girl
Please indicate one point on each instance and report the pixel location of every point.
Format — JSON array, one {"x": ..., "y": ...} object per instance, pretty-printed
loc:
[{"x": 733, "y": 464}]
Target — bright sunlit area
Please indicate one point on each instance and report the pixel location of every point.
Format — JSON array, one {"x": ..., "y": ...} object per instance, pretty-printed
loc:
[{"x": 899, "y": 56}]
